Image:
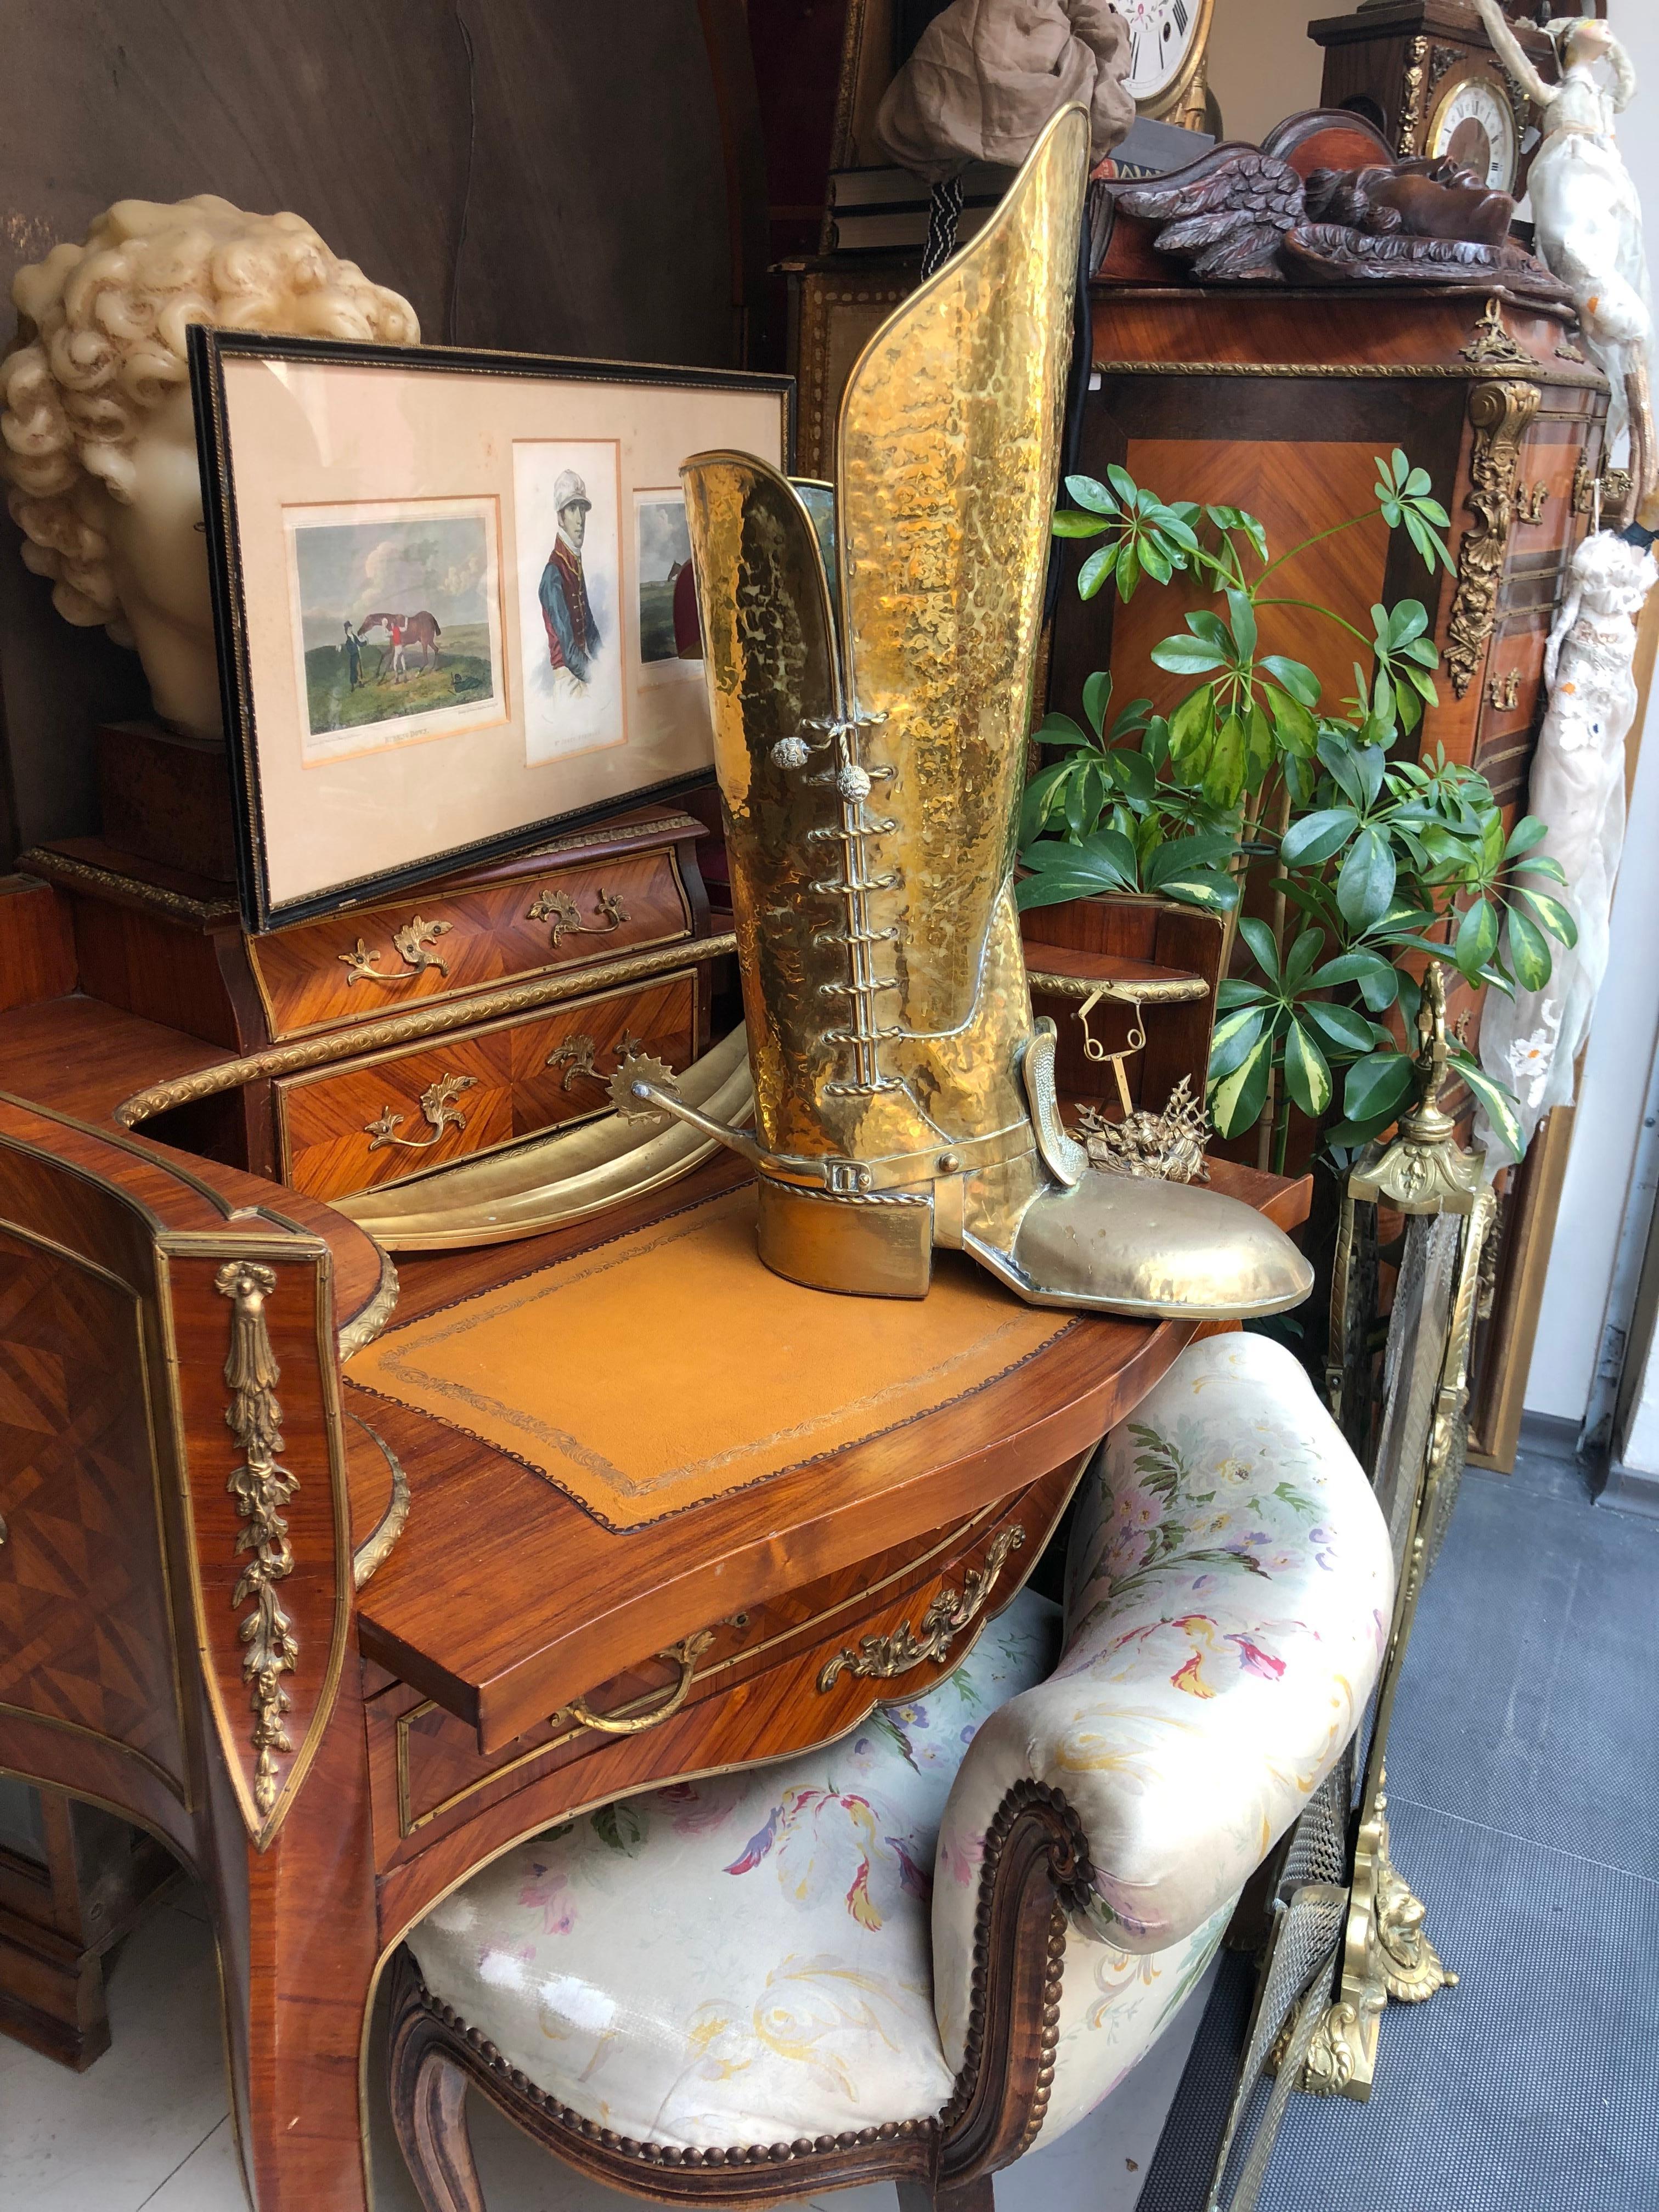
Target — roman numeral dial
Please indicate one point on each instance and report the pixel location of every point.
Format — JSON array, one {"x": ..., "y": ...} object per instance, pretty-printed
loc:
[{"x": 1166, "y": 39}]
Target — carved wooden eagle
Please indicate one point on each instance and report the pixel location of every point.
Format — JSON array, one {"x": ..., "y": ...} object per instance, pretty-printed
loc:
[{"x": 1243, "y": 216}]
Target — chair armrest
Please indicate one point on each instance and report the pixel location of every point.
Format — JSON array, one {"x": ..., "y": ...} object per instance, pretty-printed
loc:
[{"x": 1229, "y": 1589}]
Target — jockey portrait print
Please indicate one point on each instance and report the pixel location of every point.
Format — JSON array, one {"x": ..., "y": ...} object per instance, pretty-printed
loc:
[{"x": 566, "y": 520}]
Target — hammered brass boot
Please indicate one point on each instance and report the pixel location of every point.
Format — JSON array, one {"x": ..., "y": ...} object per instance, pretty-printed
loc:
[{"x": 870, "y": 743}]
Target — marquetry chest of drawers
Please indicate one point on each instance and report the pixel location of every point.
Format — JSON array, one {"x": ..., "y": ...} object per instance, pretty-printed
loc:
[
  {"x": 1281, "y": 402},
  {"x": 398, "y": 1037}
]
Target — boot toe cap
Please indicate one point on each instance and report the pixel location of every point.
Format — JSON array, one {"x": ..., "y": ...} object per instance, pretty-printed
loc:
[{"x": 1154, "y": 1249}]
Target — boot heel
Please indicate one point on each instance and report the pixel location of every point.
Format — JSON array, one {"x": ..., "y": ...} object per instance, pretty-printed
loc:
[{"x": 880, "y": 1249}]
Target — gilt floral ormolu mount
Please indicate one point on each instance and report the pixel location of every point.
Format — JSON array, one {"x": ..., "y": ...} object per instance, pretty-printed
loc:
[{"x": 869, "y": 734}]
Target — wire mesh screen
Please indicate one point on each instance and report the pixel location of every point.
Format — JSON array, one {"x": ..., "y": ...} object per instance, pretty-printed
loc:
[
  {"x": 1319, "y": 1847},
  {"x": 1412, "y": 1366},
  {"x": 1298, "y": 1970},
  {"x": 1252, "y": 2166},
  {"x": 1299, "y": 1955}
]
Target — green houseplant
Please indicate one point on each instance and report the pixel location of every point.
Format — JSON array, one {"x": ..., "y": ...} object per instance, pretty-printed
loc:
[{"x": 1252, "y": 792}]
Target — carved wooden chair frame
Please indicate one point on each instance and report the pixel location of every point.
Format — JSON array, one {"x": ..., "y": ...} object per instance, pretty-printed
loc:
[{"x": 1036, "y": 1873}]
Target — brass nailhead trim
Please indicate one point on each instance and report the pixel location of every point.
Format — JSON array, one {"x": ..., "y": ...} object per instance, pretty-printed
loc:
[{"x": 1073, "y": 1891}]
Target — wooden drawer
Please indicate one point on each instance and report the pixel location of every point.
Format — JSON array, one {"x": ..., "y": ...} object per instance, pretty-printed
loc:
[
  {"x": 392, "y": 1114},
  {"x": 776, "y": 1678},
  {"x": 544, "y": 913},
  {"x": 1511, "y": 700},
  {"x": 1544, "y": 479}
]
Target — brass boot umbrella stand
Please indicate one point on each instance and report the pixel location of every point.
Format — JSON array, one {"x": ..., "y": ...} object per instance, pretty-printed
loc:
[{"x": 1347, "y": 1933}]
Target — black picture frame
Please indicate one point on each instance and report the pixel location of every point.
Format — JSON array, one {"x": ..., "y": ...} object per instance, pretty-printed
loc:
[{"x": 208, "y": 349}]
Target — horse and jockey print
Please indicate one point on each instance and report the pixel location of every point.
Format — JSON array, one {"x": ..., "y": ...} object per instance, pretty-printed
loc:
[
  {"x": 404, "y": 634},
  {"x": 399, "y": 622}
]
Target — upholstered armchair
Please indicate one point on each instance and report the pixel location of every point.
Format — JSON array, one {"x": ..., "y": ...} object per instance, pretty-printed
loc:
[{"x": 923, "y": 1948}]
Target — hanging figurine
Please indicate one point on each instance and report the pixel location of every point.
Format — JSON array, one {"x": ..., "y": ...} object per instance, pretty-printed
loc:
[
  {"x": 1530, "y": 1042},
  {"x": 1587, "y": 218}
]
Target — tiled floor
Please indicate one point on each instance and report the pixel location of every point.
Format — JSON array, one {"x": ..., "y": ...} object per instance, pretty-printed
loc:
[
  {"x": 146, "y": 2125},
  {"x": 1523, "y": 1795}
]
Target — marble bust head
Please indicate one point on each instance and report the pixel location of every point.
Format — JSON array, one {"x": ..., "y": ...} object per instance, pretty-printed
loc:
[{"x": 99, "y": 437}]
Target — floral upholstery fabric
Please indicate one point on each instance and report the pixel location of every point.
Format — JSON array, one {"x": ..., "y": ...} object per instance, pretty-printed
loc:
[
  {"x": 1229, "y": 1585},
  {"x": 748, "y": 1958},
  {"x": 745, "y": 1959}
]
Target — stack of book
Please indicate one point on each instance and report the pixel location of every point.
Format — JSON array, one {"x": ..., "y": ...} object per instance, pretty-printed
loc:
[{"x": 885, "y": 210}]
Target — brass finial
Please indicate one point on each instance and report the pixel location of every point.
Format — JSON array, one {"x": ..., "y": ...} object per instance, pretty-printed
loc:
[{"x": 1424, "y": 1168}]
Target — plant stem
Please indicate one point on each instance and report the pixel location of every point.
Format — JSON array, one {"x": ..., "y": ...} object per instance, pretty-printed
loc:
[
  {"x": 1335, "y": 530},
  {"x": 1282, "y": 1134},
  {"x": 1264, "y": 1127},
  {"x": 1313, "y": 607}
]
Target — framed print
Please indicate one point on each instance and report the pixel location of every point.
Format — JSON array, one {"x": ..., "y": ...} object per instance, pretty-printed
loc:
[
  {"x": 451, "y": 596},
  {"x": 662, "y": 549},
  {"x": 398, "y": 630}
]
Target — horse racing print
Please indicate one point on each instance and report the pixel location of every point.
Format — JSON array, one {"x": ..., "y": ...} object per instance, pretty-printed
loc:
[
  {"x": 452, "y": 599},
  {"x": 397, "y": 621}
]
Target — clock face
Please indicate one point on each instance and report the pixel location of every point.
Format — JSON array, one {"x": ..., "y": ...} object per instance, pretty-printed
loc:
[
  {"x": 1474, "y": 124},
  {"x": 1162, "y": 35}
]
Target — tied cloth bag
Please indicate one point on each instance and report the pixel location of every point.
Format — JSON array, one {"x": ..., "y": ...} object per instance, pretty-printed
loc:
[{"x": 987, "y": 76}]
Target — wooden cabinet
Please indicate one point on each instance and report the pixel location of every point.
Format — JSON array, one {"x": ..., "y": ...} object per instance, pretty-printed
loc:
[
  {"x": 1279, "y": 401},
  {"x": 170, "y": 948}
]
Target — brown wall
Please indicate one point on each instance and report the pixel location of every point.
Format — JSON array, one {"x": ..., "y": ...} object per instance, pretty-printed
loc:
[{"x": 607, "y": 211}]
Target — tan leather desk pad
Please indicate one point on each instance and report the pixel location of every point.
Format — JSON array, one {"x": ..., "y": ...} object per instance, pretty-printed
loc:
[{"x": 668, "y": 1367}]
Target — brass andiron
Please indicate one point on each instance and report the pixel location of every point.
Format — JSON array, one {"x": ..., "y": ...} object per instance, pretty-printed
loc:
[
  {"x": 1386, "y": 1954},
  {"x": 870, "y": 742}
]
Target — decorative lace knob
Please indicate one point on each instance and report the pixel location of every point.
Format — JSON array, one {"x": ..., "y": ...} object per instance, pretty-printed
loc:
[
  {"x": 791, "y": 752},
  {"x": 852, "y": 782}
]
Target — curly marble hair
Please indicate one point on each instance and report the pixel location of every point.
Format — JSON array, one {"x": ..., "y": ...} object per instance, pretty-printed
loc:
[{"x": 101, "y": 345}]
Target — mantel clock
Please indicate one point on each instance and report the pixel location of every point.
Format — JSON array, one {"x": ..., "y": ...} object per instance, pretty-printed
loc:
[
  {"x": 1424, "y": 72},
  {"x": 1169, "y": 46}
]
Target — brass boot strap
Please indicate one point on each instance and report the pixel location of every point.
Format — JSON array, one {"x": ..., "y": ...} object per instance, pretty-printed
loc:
[
  {"x": 898, "y": 1171},
  {"x": 848, "y": 1178}
]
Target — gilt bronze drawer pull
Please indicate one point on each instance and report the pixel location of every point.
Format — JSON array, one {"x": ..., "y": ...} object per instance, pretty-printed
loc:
[
  {"x": 576, "y": 1057},
  {"x": 1504, "y": 692},
  {"x": 413, "y": 945},
  {"x": 1592, "y": 493},
  {"x": 437, "y": 1106},
  {"x": 1529, "y": 504},
  {"x": 648, "y": 1712},
  {"x": 560, "y": 910},
  {"x": 950, "y": 1612}
]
